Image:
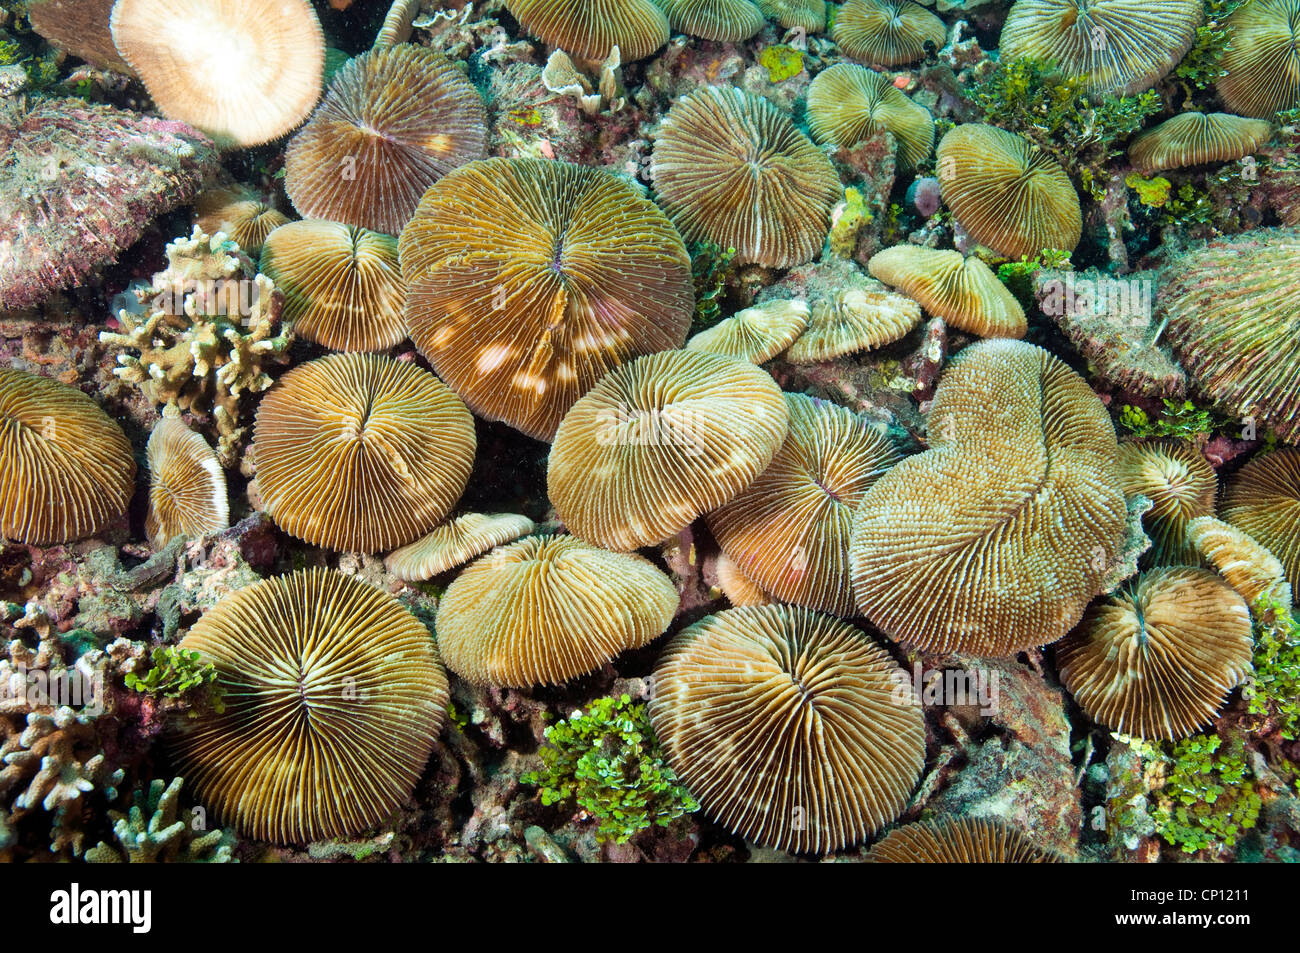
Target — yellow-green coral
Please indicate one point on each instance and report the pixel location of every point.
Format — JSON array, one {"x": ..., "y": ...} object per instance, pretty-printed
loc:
[
  {"x": 781, "y": 62},
  {"x": 1153, "y": 192}
]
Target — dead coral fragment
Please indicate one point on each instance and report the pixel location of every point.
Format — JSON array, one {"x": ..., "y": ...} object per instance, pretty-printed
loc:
[
  {"x": 563, "y": 78},
  {"x": 187, "y": 487}
]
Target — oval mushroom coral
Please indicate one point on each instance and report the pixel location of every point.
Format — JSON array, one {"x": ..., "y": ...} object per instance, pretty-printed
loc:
[
  {"x": 659, "y": 442},
  {"x": 547, "y": 609},
  {"x": 728, "y": 21},
  {"x": 1240, "y": 559},
  {"x": 1263, "y": 499},
  {"x": 333, "y": 699},
  {"x": 958, "y": 840},
  {"x": 1158, "y": 659},
  {"x": 789, "y": 530},
  {"x": 1192, "y": 138},
  {"x": 1261, "y": 64},
  {"x": 529, "y": 280},
  {"x": 962, "y": 290},
  {"x": 362, "y": 453},
  {"x": 81, "y": 27},
  {"x": 187, "y": 487},
  {"x": 1181, "y": 485},
  {"x": 788, "y": 726},
  {"x": 887, "y": 32},
  {"x": 243, "y": 71},
  {"x": 66, "y": 469},
  {"x": 809, "y": 15},
  {"x": 590, "y": 29},
  {"x": 754, "y": 334},
  {"x": 859, "y": 316},
  {"x": 455, "y": 542},
  {"x": 732, "y": 169},
  {"x": 393, "y": 122},
  {"x": 242, "y": 216},
  {"x": 847, "y": 104},
  {"x": 996, "y": 538},
  {"x": 1007, "y": 192}
]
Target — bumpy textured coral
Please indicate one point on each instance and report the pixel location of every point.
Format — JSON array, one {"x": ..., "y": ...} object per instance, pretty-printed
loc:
[
  {"x": 209, "y": 331},
  {"x": 152, "y": 832}
]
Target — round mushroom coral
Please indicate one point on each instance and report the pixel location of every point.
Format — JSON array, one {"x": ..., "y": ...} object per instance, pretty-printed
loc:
[
  {"x": 961, "y": 290},
  {"x": 333, "y": 698},
  {"x": 754, "y": 334},
  {"x": 590, "y": 29},
  {"x": 1007, "y": 192},
  {"x": 342, "y": 284},
  {"x": 1113, "y": 46},
  {"x": 789, "y": 530},
  {"x": 547, "y": 609},
  {"x": 728, "y": 21},
  {"x": 788, "y": 726},
  {"x": 361, "y": 453},
  {"x": 1192, "y": 138},
  {"x": 242, "y": 216},
  {"x": 661, "y": 441},
  {"x": 847, "y": 104},
  {"x": 393, "y": 122},
  {"x": 887, "y": 32},
  {"x": 1262, "y": 61},
  {"x": 530, "y": 280},
  {"x": 455, "y": 542},
  {"x": 243, "y": 71},
  {"x": 1158, "y": 659},
  {"x": 732, "y": 169},
  {"x": 187, "y": 487},
  {"x": 1181, "y": 486},
  {"x": 810, "y": 15},
  {"x": 852, "y": 318},
  {"x": 739, "y": 589},
  {"x": 66, "y": 469},
  {"x": 996, "y": 538},
  {"x": 1232, "y": 307},
  {"x": 1264, "y": 500},
  {"x": 958, "y": 840}
]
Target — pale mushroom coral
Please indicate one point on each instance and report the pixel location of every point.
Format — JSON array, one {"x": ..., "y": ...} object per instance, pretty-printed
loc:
[
  {"x": 1240, "y": 559},
  {"x": 361, "y": 453},
  {"x": 333, "y": 698},
  {"x": 732, "y": 169},
  {"x": 243, "y": 71},
  {"x": 1008, "y": 193},
  {"x": 1112, "y": 46},
  {"x": 848, "y": 103},
  {"x": 857, "y": 316},
  {"x": 661, "y": 441},
  {"x": 1181, "y": 485},
  {"x": 788, "y": 727},
  {"x": 958, "y": 840},
  {"x": 547, "y": 609},
  {"x": 887, "y": 32},
  {"x": 66, "y": 468},
  {"x": 1193, "y": 138},
  {"x": 1157, "y": 660},
  {"x": 455, "y": 542},
  {"x": 789, "y": 530},
  {"x": 529, "y": 280},
  {"x": 1262, "y": 61},
  {"x": 590, "y": 29},
  {"x": 809, "y": 15},
  {"x": 239, "y": 214},
  {"x": 1263, "y": 498},
  {"x": 728, "y": 21},
  {"x": 996, "y": 538},
  {"x": 962, "y": 290},
  {"x": 187, "y": 487},
  {"x": 393, "y": 123},
  {"x": 755, "y": 334},
  {"x": 739, "y": 589}
]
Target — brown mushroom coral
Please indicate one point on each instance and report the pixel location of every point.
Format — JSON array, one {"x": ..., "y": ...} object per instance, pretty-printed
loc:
[
  {"x": 455, "y": 542},
  {"x": 342, "y": 284},
  {"x": 360, "y": 452},
  {"x": 1192, "y": 138},
  {"x": 996, "y": 538},
  {"x": 530, "y": 280},
  {"x": 962, "y": 290},
  {"x": 243, "y": 71},
  {"x": 789, "y": 530},
  {"x": 393, "y": 122},
  {"x": 242, "y": 216},
  {"x": 728, "y": 21},
  {"x": 590, "y": 29},
  {"x": 847, "y": 104},
  {"x": 754, "y": 334},
  {"x": 1181, "y": 485},
  {"x": 887, "y": 32},
  {"x": 547, "y": 609},
  {"x": 659, "y": 442},
  {"x": 732, "y": 169},
  {"x": 1261, "y": 64},
  {"x": 739, "y": 589},
  {"x": 1113, "y": 46},
  {"x": 81, "y": 27},
  {"x": 1263, "y": 499},
  {"x": 187, "y": 487},
  {"x": 1007, "y": 192},
  {"x": 333, "y": 698},
  {"x": 66, "y": 469},
  {"x": 852, "y": 318},
  {"x": 788, "y": 727},
  {"x": 1240, "y": 559},
  {"x": 1158, "y": 659},
  {"x": 958, "y": 840}
]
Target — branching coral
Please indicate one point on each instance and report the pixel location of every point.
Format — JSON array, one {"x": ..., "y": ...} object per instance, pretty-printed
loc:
[{"x": 151, "y": 832}]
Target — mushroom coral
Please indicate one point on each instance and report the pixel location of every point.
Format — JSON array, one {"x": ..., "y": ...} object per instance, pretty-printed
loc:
[
  {"x": 187, "y": 487},
  {"x": 887, "y": 32},
  {"x": 1263, "y": 499},
  {"x": 791, "y": 14},
  {"x": 1181, "y": 485},
  {"x": 958, "y": 840},
  {"x": 590, "y": 29},
  {"x": 1192, "y": 138},
  {"x": 732, "y": 169},
  {"x": 455, "y": 542},
  {"x": 848, "y": 103},
  {"x": 789, "y": 530},
  {"x": 66, "y": 468},
  {"x": 754, "y": 334},
  {"x": 547, "y": 609},
  {"x": 1158, "y": 659},
  {"x": 728, "y": 21},
  {"x": 81, "y": 27},
  {"x": 661, "y": 441},
  {"x": 962, "y": 290},
  {"x": 853, "y": 317},
  {"x": 360, "y": 452},
  {"x": 529, "y": 280},
  {"x": 1261, "y": 65},
  {"x": 333, "y": 698},
  {"x": 1240, "y": 559},
  {"x": 996, "y": 538},
  {"x": 239, "y": 214},
  {"x": 788, "y": 726}
]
